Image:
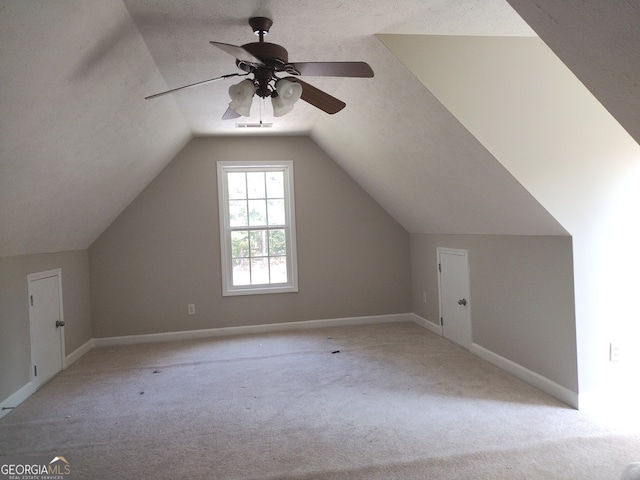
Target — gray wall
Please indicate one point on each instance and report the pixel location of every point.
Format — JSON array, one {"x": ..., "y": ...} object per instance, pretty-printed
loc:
[
  {"x": 15, "y": 353},
  {"x": 522, "y": 301},
  {"x": 163, "y": 251}
]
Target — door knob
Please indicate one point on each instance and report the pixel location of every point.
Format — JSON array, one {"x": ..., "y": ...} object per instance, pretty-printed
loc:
[
  {"x": 59, "y": 323},
  {"x": 462, "y": 302}
]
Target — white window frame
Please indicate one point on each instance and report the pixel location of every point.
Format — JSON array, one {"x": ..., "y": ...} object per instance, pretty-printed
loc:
[{"x": 228, "y": 288}]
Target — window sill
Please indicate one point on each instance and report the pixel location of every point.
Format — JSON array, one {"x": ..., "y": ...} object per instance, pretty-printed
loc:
[{"x": 262, "y": 290}]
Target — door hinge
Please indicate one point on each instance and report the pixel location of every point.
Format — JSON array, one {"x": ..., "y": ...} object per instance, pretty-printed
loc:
[
  {"x": 35, "y": 370},
  {"x": 32, "y": 300},
  {"x": 441, "y": 321},
  {"x": 440, "y": 267}
]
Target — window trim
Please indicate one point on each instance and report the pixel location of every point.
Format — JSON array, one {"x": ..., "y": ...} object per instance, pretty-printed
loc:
[{"x": 228, "y": 289}]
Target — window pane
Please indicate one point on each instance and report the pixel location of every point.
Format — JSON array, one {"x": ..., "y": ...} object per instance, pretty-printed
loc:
[
  {"x": 275, "y": 212},
  {"x": 239, "y": 244},
  {"x": 255, "y": 185},
  {"x": 278, "y": 269},
  {"x": 275, "y": 184},
  {"x": 238, "y": 213},
  {"x": 277, "y": 243},
  {"x": 237, "y": 182},
  {"x": 258, "y": 243},
  {"x": 257, "y": 212},
  {"x": 257, "y": 226},
  {"x": 259, "y": 271},
  {"x": 241, "y": 273}
]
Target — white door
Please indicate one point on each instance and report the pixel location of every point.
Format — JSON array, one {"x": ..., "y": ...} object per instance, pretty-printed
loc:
[
  {"x": 47, "y": 325},
  {"x": 455, "y": 310}
]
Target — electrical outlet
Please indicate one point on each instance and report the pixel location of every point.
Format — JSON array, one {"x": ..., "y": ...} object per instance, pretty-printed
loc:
[
  {"x": 191, "y": 309},
  {"x": 615, "y": 352}
]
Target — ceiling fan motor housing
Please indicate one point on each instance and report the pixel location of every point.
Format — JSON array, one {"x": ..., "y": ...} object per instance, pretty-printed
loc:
[
  {"x": 275, "y": 59},
  {"x": 271, "y": 54}
]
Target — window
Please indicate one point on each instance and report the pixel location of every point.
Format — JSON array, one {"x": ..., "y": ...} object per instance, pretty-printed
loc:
[{"x": 257, "y": 227}]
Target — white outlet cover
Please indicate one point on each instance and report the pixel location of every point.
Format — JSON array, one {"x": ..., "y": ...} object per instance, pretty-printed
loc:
[{"x": 615, "y": 352}]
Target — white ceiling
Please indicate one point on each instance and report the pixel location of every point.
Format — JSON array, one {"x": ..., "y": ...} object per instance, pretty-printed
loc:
[
  {"x": 178, "y": 34},
  {"x": 600, "y": 43},
  {"x": 78, "y": 142}
]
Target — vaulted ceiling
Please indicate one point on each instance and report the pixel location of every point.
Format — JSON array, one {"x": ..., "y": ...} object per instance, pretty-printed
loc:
[{"x": 78, "y": 142}]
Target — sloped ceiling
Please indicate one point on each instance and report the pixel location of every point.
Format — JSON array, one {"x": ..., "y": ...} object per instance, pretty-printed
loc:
[
  {"x": 600, "y": 43},
  {"x": 534, "y": 116},
  {"x": 178, "y": 34},
  {"x": 422, "y": 165},
  {"x": 78, "y": 142}
]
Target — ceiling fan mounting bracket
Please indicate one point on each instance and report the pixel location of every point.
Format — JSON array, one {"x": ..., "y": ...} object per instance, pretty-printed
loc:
[{"x": 260, "y": 26}]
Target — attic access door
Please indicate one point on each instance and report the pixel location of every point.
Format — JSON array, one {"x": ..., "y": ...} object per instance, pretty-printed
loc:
[
  {"x": 453, "y": 284},
  {"x": 46, "y": 324}
]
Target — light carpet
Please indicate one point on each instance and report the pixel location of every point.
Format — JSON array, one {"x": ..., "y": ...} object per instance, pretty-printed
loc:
[{"x": 390, "y": 401}]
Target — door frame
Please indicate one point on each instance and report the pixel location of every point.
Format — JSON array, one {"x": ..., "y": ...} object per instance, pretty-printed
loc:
[
  {"x": 467, "y": 285},
  {"x": 40, "y": 276}
]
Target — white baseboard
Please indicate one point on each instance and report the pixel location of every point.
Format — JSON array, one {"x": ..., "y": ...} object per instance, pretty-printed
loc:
[
  {"x": 250, "y": 329},
  {"x": 15, "y": 399},
  {"x": 79, "y": 352},
  {"x": 423, "y": 322},
  {"x": 532, "y": 378}
]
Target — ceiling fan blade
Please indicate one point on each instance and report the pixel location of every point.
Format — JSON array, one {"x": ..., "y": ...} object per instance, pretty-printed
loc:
[
  {"x": 229, "y": 114},
  {"x": 195, "y": 84},
  {"x": 334, "y": 69},
  {"x": 238, "y": 52},
  {"x": 318, "y": 98}
]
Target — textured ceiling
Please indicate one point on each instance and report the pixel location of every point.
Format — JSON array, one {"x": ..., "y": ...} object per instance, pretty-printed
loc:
[
  {"x": 178, "y": 34},
  {"x": 599, "y": 41},
  {"x": 78, "y": 142}
]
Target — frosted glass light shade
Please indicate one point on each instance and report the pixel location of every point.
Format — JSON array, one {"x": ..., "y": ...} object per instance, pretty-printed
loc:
[
  {"x": 241, "y": 96},
  {"x": 288, "y": 93}
]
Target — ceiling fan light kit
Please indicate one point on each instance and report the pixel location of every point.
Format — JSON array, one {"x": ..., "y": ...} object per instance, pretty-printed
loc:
[
  {"x": 241, "y": 95},
  {"x": 265, "y": 61},
  {"x": 285, "y": 96}
]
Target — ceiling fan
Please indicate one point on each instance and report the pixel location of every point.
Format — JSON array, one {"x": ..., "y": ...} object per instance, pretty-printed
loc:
[{"x": 265, "y": 62}]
